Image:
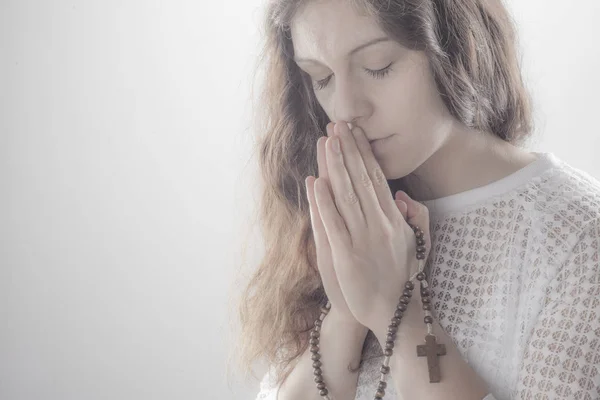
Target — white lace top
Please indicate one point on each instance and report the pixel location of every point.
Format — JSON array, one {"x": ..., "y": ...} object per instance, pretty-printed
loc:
[{"x": 514, "y": 273}]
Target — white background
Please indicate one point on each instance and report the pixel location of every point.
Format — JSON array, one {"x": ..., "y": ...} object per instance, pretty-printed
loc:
[{"x": 126, "y": 183}]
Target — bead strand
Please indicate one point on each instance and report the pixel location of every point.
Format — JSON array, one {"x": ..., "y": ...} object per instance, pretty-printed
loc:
[
  {"x": 316, "y": 356},
  {"x": 392, "y": 328}
]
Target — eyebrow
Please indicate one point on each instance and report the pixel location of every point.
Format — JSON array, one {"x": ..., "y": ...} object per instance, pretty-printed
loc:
[{"x": 362, "y": 46}]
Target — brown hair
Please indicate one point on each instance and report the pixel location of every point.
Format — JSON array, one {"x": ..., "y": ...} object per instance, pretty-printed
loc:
[{"x": 471, "y": 46}]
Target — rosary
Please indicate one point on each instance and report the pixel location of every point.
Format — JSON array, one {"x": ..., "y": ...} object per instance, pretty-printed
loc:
[{"x": 431, "y": 349}]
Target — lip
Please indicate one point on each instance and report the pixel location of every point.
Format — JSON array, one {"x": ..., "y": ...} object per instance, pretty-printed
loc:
[{"x": 378, "y": 140}]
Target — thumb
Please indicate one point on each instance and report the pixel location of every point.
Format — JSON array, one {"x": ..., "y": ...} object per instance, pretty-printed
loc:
[
  {"x": 402, "y": 207},
  {"x": 416, "y": 214}
]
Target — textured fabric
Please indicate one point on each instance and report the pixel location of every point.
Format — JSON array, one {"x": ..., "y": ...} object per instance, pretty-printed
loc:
[
  {"x": 268, "y": 390},
  {"x": 515, "y": 279}
]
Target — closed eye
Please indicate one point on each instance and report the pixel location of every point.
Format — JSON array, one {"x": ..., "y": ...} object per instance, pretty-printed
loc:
[{"x": 378, "y": 74}]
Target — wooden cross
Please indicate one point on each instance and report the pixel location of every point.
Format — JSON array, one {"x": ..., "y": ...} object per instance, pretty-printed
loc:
[{"x": 432, "y": 350}]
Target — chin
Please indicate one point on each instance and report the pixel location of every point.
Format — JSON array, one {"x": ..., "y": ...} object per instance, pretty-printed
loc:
[{"x": 393, "y": 168}]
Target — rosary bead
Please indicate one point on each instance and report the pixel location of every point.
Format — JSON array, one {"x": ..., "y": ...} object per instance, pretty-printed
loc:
[{"x": 403, "y": 302}]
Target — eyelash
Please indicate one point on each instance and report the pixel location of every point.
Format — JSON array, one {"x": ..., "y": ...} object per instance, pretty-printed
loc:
[{"x": 378, "y": 74}]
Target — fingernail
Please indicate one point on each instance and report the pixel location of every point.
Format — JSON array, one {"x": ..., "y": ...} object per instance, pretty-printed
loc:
[{"x": 337, "y": 129}]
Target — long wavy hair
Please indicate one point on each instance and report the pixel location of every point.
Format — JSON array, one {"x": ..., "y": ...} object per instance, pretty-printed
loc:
[{"x": 472, "y": 50}]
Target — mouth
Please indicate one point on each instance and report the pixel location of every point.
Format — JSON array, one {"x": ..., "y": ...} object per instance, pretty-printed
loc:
[{"x": 375, "y": 140}]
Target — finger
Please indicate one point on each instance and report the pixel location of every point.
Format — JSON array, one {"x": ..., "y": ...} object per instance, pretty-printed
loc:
[
  {"x": 344, "y": 194},
  {"x": 360, "y": 177},
  {"x": 322, "y": 158},
  {"x": 329, "y": 128},
  {"x": 321, "y": 241},
  {"x": 334, "y": 224},
  {"x": 380, "y": 184}
]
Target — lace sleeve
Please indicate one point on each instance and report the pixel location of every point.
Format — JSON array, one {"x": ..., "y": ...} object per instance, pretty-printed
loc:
[
  {"x": 562, "y": 355},
  {"x": 268, "y": 390}
]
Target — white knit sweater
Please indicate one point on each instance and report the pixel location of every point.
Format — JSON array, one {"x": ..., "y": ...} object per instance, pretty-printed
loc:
[{"x": 514, "y": 273}]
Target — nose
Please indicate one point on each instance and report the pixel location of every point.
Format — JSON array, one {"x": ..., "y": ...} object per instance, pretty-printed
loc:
[{"x": 350, "y": 103}]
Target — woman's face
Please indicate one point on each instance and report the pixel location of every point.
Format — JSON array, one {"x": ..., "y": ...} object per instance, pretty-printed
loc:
[{"x": 341, "y": 51}]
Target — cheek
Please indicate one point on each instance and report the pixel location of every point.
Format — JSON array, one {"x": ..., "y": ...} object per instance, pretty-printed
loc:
[
  {"x": 326, "y": 104},
  {"x": 414, "y": 103}
]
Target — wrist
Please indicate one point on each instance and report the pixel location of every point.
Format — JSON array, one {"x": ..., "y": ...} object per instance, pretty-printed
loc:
[{"x": 408, "y": 326}]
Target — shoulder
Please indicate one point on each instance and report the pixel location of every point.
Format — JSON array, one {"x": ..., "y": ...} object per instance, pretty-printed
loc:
[
  {"x": 568, "y": 211},
  {"x": 565, "y": 200}
]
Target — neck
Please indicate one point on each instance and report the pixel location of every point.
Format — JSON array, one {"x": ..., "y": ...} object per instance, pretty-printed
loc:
[{"x": 468, "y": 159}]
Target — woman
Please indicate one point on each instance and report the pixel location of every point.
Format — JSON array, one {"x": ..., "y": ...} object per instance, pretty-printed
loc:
[{"x": 429, "y": 95}]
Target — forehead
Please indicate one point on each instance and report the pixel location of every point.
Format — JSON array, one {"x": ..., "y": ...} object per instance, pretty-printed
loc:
[{"x": 329, "y": 29}]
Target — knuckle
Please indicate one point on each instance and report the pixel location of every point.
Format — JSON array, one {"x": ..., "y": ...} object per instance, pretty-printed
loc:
[
  {"x": 365, "y": 179},
  {"x": 387, "y": 235},
  {"x": 351, "y": 197},
  {"x": 385, "y": 232},
  {"x": 378, "y": 175}
]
